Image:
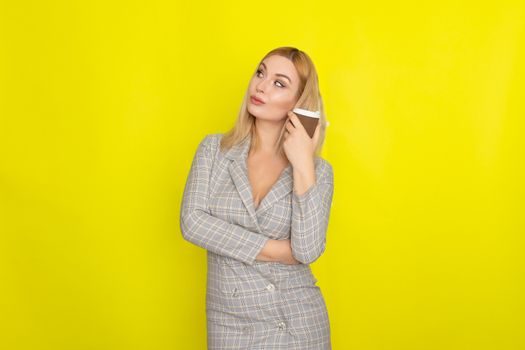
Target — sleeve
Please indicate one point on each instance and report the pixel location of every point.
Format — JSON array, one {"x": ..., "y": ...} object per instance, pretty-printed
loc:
[
  {"x": 199, "y": 227},
  {"x": 310, "y": 214}
]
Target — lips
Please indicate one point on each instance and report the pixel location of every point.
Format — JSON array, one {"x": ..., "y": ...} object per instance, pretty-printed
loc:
[{"x": 257, "y": 100}]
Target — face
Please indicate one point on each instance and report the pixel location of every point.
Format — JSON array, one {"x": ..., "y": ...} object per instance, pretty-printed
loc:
[{"x": 276, "y": 83}]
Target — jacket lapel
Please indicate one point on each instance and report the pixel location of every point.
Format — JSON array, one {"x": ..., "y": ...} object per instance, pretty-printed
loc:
[
  {"x": 238, "y": 169},
  {"x": 280, "y": 188}
]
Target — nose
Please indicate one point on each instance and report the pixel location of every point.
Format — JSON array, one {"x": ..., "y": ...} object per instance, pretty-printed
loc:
[{"x": 260, "y": 85}]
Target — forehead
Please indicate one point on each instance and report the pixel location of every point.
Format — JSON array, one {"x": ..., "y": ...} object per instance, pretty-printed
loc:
[{"x": 279, "y": 64}]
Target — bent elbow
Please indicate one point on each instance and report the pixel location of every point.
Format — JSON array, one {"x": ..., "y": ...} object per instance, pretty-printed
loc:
[
  {"x": 186, "y": 226},
  {"x": 310, "y": 255},
  {"x": 305, "y": 258}
]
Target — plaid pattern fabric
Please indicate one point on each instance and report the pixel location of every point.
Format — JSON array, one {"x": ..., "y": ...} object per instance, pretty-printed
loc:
[{"x": 253, "y": 304}]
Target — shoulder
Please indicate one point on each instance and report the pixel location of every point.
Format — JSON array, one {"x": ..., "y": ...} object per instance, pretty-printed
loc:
[
  {"x": 324, "y": 170},
  {"x": 209, "y": 146},
  {"x": 211, "y": 141}
]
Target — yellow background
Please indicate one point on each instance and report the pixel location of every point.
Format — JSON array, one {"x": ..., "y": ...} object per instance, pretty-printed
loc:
[{"x": 102, "y": 106}]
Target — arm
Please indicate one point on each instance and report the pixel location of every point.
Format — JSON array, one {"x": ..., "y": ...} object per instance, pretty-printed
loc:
[
  {"x": 199, "y": 227},
  {"x": 310, "y": 214},
  {"x": 279, "y": 251}
]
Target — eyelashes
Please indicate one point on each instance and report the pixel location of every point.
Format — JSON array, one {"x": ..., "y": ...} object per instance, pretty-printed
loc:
[{"x": 277, "y": 81}]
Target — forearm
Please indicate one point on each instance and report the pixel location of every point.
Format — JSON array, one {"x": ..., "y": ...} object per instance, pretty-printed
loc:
[
  {"x": 220, "y": 236},
  {"x": 303, "y": 178},
  {"x": 277, "y": 251},
  {"x": 310, "y": 214}
]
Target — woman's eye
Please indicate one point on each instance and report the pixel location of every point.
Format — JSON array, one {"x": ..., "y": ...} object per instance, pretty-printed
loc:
[{"x": 277, "y": 81}]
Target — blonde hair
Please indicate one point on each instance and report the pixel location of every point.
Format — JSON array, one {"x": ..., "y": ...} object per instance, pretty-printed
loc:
[{"x": 308, "y": 95}]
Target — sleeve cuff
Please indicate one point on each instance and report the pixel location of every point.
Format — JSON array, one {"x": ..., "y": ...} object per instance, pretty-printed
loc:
[
  {"x": 301, "y": 198},
  {"x": 255, "y": 248}
]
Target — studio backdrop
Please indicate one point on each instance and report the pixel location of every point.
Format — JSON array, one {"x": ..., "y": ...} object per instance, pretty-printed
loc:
[{"x": 103, "y": 105}]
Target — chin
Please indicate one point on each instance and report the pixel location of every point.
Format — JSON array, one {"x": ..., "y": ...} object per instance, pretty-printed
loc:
[
  {"x": 255, "y": 113},
  {"x": 258, "y": 115}
]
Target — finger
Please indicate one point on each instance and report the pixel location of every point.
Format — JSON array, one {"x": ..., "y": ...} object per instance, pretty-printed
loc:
[
  {"x": 289, "y": 121},
  {"x": 296, "y": 122},
  {"x": 289, "y": 126},
  {"x": 291, "y": 116}
]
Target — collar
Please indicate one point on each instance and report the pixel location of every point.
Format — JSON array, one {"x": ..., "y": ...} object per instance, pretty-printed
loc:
[{"x": 238, "y": 155}]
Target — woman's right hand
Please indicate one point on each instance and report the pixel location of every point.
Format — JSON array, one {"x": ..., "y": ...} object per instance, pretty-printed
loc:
[
  {"x": 285, "y": 255},
  {"x": 278, "y": 251}
]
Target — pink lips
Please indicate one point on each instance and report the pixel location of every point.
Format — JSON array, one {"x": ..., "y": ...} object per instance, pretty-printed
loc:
[{"x": 256, "y": 101}]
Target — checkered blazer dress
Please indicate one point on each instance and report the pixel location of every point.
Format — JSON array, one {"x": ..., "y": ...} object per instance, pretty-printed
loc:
[{"x": 253, "y": 304}]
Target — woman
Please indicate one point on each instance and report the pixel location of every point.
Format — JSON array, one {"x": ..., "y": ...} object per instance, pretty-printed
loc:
[{"x": 258, "y": 199}]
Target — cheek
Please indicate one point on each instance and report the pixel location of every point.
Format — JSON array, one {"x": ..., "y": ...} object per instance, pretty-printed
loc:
[
  {"x": 284, "y": 101},
  {"x": 251, "y": 86}
]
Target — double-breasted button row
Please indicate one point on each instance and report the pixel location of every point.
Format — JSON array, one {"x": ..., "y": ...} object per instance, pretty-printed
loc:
[{"x": 269, "y": 287}]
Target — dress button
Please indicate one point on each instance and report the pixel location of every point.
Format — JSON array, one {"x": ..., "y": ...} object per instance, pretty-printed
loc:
[
  {"x": 270, "y": 287},
  {"x": 282, "y": 325},
  {"x": 234, "y": 292}
]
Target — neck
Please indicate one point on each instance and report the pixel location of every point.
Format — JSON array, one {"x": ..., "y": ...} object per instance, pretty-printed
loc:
[{"x": 268, "y": 134}]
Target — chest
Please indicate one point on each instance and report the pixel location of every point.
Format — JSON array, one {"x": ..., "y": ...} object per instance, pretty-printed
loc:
[
  {"x": 263, "y": 173},
  {"x": 231, "y": 193}
]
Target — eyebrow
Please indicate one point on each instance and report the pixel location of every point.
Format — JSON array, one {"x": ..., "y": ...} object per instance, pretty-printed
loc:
[{"x": 278, "y": 74}]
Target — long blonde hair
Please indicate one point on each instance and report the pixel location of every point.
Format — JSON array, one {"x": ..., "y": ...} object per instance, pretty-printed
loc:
[{"x": 309, "y": 98}]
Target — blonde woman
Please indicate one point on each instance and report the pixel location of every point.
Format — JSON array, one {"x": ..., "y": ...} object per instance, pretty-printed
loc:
[{"x": 258, "y": 199}]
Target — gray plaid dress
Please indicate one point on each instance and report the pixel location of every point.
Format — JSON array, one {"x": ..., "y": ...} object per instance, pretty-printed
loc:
[{"x": 253, "y": 304}]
